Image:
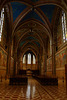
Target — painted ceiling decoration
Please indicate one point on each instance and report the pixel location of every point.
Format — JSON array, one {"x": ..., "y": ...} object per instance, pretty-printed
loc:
[
  {"x": 28, "y": 25},
  {"x": 19, "y": 34},
  {"x": 37, "y": 43},
  {"x": 22, "y": 43},
  {"x": 48, "y": 10},
  {"x": 32, "y": 22},
  {"x": 31, "y": 33},
  {"x": 32, "y": 15},
  {"x": 29, "y": 38},
  {"x": 34, "y": 0},
  {"x": 30, "y": 43},
  {"x": 17, "y": 8}
]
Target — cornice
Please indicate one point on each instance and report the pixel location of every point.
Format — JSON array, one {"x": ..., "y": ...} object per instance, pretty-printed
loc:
[
  {"x": 3, "y": 49},
  {"x": 61, "y": 48}
]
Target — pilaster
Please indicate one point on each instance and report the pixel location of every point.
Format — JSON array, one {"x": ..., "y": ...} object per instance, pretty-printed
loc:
[
  {"x": 15, "y": 61},
  {"x": 9, "y": 58},
  {"x": 53, "y": 59}
]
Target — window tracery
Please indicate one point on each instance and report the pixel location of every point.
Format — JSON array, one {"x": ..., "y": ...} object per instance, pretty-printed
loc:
[
  {"x": 1, "y": 22},
  {"x": 29, "y": 58},
  {"x": 64, "y": 27},
  {"x": 34, "y": 60},
  {"x": 24, "y": 59}
]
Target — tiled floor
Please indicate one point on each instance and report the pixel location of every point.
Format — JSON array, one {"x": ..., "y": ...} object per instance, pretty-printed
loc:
[{"x": 33, "y": 91}]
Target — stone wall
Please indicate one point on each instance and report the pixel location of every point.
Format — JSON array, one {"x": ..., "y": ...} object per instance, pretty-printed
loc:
[
  {"x": 49, "y": 64},
  {"x": 59, "y": 32},
  {"x": 3, "y": 62},
  {"x": 60, "y": 58},
  {"x": 60, "y": 53},
  {"x": 12, "y": 66},
  {"x": 28, "y": 66},
  {"x": 60, "y": 62}
]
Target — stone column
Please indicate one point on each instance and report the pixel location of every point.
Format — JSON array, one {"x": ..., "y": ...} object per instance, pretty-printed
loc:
[
  {"x": 21, "y": 63},
  {"x": 50, "y": 47},
  {"x": 18, "y": 67},
  {"x": 53, "y": 59},
  {"x": 66, "y": 55},
  {"x": 66, "y": 71},
  {"x": 9, "y": 57},
  {"x": 40, "y": 61},
  {"x": 8, "y": 60},
  {"x": 31, "y": 61},
  {"x": 45, "y": 63},
  {"x": 41, "y": 65},
  {"x": 36, "y": 64},
  {"x": 66, "y": 76},
  {"x": 15, "y": 61},
  {"x": 26, "y": 60}
]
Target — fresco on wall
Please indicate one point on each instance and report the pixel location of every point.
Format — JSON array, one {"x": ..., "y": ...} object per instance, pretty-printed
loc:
[
  {"x": 3, "y": 58},
  {"x": 59, "y": 33},
  {"x": 60, "y": 59},
  {"x": 59, "y": 39},
  {"x": 49, "y": 64}
]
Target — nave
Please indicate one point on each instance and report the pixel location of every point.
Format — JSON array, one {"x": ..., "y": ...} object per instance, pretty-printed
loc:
[
  {"x": 32, "y": 91},
  {"x": 33, "y": 42}
]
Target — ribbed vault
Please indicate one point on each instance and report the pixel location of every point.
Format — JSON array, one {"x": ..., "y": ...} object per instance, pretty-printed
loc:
[{"x": 30, "y": 26}]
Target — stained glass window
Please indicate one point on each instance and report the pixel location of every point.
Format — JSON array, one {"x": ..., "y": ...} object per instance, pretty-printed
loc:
[
  {"x": 29, "y": 58},
  {"x": 1, "y": 22},
  {"x": 34, "y": 60},
  {"x": 64, "y": 27},
  {"x": 24, "y": 59}
]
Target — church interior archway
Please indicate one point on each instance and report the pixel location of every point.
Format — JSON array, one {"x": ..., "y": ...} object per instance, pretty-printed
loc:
[{"x": 33, "y": 36}]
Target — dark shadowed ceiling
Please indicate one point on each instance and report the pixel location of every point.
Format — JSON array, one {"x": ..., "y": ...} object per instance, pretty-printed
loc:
[
  {"x": 17, "y": 8},
  {"x": 32, "y": 24}
]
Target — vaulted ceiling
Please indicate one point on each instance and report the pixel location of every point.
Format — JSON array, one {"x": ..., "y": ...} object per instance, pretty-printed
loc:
[
  {"x": 17, "y": 9},
  {"x": 32, "y": 22}
]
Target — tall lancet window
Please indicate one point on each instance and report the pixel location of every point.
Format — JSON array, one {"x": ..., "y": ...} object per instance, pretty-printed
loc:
[
  {"x": 64, "y": 27},
  {"x": 29, "y": 58},
  {"x": 34, "y": 60},
  {"x": 1, "y": 22},
  {"x": 24, "y": 59}
]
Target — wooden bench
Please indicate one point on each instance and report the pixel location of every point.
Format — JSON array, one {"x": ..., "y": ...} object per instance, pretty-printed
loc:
[
  {"x": 18, "y": 80},
  {"x": 47, "y": 80}
]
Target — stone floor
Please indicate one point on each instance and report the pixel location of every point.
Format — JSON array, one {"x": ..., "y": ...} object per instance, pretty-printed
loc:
[{"x": 33, "y": 91}]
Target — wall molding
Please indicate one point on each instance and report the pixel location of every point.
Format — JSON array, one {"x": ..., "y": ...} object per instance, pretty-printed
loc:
[
  {"x": 62, "y": 46},
  {"x": 4, "y": 50},
  {"x": 12, "y": 58},
  {"x": 2, "y": 68},
  {"x": 60, "y": 69},
  {"x": 61, "y": 50}
]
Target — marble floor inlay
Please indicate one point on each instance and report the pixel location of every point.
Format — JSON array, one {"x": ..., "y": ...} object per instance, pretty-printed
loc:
[{"x": 33, "y": 91}]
